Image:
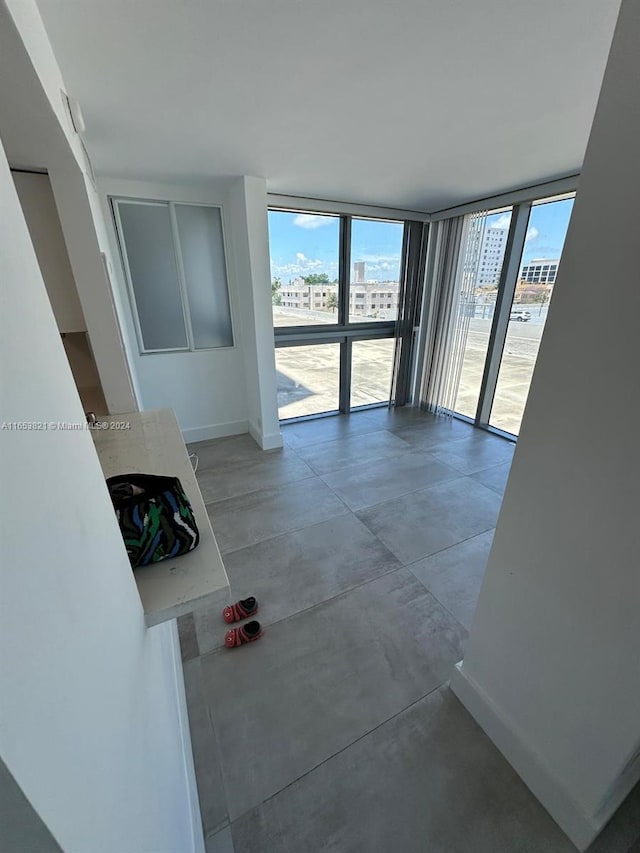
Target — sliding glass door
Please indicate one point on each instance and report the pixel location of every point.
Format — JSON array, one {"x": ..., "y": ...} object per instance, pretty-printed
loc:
[{"x": 335, "y": 291}]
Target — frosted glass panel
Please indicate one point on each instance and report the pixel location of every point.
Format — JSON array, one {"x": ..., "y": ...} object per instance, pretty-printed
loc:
[
  {"x": 148, "y": 244},
  {"x": 202, "y": 248}
]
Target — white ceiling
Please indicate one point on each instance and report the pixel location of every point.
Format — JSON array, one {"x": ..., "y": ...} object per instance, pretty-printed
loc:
[{"x": 410, "y": 103}]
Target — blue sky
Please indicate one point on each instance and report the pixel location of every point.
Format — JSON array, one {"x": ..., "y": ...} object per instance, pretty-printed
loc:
[
  {"x": 305, "y": 243},
  {"x": 547, "y": 229},
  {"x": 548, "y": 225}
]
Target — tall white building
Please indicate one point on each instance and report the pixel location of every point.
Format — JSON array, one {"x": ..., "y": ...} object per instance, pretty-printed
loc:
[{"x": 492, "y": 250}]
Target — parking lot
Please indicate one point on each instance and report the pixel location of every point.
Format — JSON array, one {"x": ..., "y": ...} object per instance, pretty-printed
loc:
[{"x": 308, "y": 376}]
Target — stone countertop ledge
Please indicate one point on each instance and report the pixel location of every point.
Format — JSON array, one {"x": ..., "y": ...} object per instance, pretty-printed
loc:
[{"x": 153, "y": 444}]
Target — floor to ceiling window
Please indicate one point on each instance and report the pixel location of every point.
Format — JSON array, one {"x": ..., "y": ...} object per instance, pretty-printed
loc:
[
  {"x": 335, "y": 290},
  {"x": 514, "y": 276},
  {"x": 493, "y": 237},
  {"x": 548, "y": 223}
]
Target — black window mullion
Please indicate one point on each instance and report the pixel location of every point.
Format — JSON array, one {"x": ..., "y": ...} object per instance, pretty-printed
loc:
[
  {"x": 344, "y": 267},
  {"x": 506, "y": 289},
  {"x": 345, "y": 376}
]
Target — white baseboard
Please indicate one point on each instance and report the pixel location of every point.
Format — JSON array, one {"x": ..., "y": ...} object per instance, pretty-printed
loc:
[
  {"x": 197, "y": 834},
  {"x": 537, "y": 776},
  {"x": 266, "y": 441},
  {"x": 205, "y": 433}
]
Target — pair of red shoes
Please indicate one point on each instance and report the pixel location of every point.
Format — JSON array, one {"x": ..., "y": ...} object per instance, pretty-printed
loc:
[{"x": 247, "y": 633}]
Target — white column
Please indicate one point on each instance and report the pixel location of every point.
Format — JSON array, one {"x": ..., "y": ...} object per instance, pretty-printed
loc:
[{"x": 248, "y": 209}]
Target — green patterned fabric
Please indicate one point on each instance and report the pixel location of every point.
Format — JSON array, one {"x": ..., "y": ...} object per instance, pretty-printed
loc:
[{"x": 156, "y": 524}]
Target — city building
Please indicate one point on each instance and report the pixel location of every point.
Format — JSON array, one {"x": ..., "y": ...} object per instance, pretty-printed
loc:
[
  {"x": 375, "y": 299},
  {"x": 300, "y": 295},
  {"x": 540, "y": 271}
]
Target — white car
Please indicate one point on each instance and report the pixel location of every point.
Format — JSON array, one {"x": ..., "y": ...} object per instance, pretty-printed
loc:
[{"x": 521, "y": 316}]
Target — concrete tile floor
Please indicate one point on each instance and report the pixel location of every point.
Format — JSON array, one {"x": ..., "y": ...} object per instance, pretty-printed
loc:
[
  {"x": 337, "y": 730},
  {"x": 426, "y": 781}
]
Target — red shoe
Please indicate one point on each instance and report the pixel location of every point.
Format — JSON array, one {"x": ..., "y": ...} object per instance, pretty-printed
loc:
[
  {"x": 247, "y": 633},
  {"x": 240, "y": 610}
]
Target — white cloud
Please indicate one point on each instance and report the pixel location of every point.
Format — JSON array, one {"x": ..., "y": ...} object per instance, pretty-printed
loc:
[
  {"x": 312, "y": 220},
  {"x": 377, "y": 259},
  {"x": 532, "y": 233},
  {"x": 502, "y": 221},
  {"x": 301, "y": 266}
]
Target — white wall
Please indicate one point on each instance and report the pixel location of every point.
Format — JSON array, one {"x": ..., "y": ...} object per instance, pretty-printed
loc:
[
  {"x": 207, "y": 388},
  {"x": 551, "y": 666},
  {"x": 39, "y": 208},
  {"x": 38, "y": 77},
  {"x": 91, "y": 729},
  {"x": 224, "y": 391},
  {"x": 28, "y": 22},
  {"x": 86, "y": 241}
]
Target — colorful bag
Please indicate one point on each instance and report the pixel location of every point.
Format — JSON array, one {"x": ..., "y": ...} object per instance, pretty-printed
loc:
[{"x": 155, "y": 517}]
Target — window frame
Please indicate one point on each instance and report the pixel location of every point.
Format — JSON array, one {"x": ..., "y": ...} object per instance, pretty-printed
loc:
[
  {"x": 343, "y": 331},
  {"x": 511, "y": 266},
  {"x": 344, "y": 265}
]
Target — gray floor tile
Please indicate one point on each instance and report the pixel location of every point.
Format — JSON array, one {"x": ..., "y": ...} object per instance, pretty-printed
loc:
[
  {"x": 476, "y": 453},
  {"x": 368, "y": 448},
  {"x": 427, "y": 521},
  {"x": 271, "y": 469},
  {"x": 494, "y": 478},
  {"x": 206, "y": 756},
  {"x": 397, "y": 418},
  {"x": 247, "y": 519},
  {"x": 432, "y": 431},
  {"x": 455, "y": 575},
  {"x": 316, "y": 682},
  {"x": 309, "y": 433},
  {"x": 188, "y": 639},
  {"x": 360, "y": 486},
  {"x": 427, "y": 781},
  {"x": 298, "y": 570},
  {"x": 221, "y": 842},
  {"x": 222, "y": 453}
]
